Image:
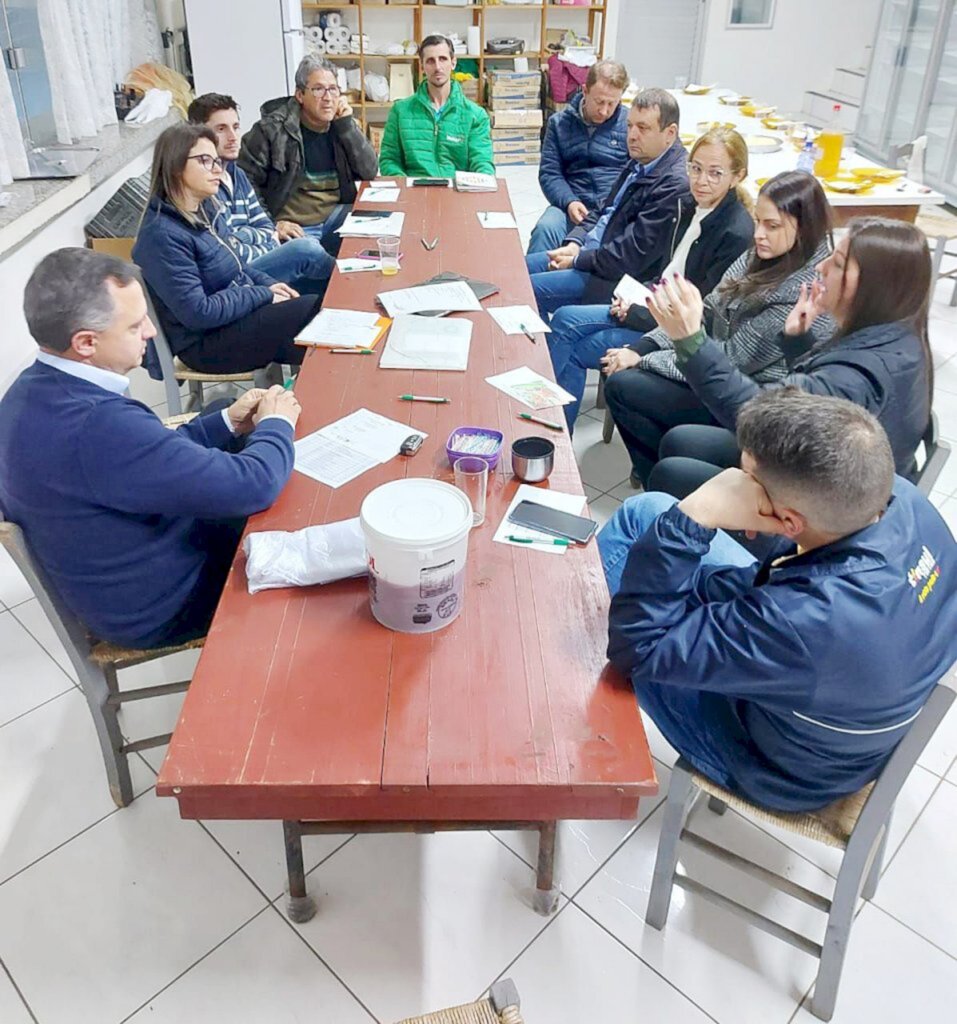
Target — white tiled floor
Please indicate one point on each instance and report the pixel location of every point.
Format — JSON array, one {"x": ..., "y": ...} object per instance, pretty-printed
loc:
[{"x": 133, "y": 915}]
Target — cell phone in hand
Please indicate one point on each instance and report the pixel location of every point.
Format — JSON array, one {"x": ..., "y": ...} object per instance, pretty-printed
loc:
[{"x": 550, "y": 520}]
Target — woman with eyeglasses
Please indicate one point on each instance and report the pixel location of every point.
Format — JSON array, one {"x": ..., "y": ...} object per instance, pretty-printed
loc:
[
  {"x": 646, "y": 392},
  {"x": 218, "y": 314},
  {"x": 709, "y": 235}
]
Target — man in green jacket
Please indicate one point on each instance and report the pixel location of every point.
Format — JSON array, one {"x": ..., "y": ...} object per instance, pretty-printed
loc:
[{"x": 437, "y": 131}]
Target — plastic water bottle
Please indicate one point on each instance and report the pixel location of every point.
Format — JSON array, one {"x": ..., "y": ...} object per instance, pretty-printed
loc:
[{"x": 807, "y": 157}]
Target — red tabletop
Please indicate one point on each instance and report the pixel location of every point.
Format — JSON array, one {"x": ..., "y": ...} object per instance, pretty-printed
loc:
[{"x": 304, "y": 707}]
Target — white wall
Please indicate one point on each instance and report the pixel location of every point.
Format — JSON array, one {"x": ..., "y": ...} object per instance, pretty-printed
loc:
[
  {"x": 17, "y": 348},
  {"x": 656, "y": 41},
  {"x": 807, "y": 41}
]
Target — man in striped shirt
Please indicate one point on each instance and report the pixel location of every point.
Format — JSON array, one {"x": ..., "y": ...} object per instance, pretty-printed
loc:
[{"x": 300, "y": 262}]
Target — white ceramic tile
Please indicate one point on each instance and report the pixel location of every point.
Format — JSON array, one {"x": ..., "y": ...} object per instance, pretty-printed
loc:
[
  {"x": 34, "y": 620},
  {"x": 661, "y": 750},
  {"x": 891, "y": 975},
  {"x": 144, "y": 389},
  {"x": 12, "y": 1010},
  {"x": 920, "y": 884},
  {"x": 257, "y": 846},
  {"x": 432, "y": 919},
  {"x": 576, "y": 972},
  {"x": 119, "y": 912},
  {"x": 938, "y": 498},
  {"x": 952, "y": 774},
  {"x": 601, "y": 465},
  {"x": 946, "y": 417},
  {"x": 14, "y": 589},
  {"x": 948, "y": 509},
  {"x": 945, "y": 378},
  {"x": 583, "y": 846},
  {"x": 913, "y": 797},
  {"x": 733, "y": 971},
  {"x": 29, "y": 675},
  {"x": 947, "y": 481},
  {"x": 262, "y": 973},
  {"x": 603, "y": 508},
  {"x": 940, "y": 752},
  {"x": 588, "y": 398},
  {"x": 943, "y": 337},
  {"x": 54, "y": 781},
  {"x": 591, "y": 493},
  {"x": 624, "y": 491}
]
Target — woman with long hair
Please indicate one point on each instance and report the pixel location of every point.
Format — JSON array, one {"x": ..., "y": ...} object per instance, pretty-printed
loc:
[
  {"x": 876, "y": 287},
  {"x": 646, "y": 392},
  {"x": 219, "y": 315},
  {"x": 710, "y": 234}
]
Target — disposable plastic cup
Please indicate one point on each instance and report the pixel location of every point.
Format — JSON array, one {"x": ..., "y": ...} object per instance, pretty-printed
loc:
[
  {"x": 389, "y": 254},
  {"x": 471, "y": 478}
]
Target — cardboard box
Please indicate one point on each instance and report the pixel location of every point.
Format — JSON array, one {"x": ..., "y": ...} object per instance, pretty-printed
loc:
[
  {"x": 514, "y": 102},
  {"x": 516, "y": 142},
  {"x": 376, "y": 131},
  {"x": 518, "y": 160},
  {"x": 472, "y": 89},
  {"x": 517, "y": 119},
  {"x": 514, "y": 83},
  {"x": 515, "y": 135},
  {"x": 121, "y": 247}
]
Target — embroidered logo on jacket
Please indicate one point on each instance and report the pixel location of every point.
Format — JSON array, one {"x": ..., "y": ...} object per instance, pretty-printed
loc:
[{"x": 924, "y": 575}]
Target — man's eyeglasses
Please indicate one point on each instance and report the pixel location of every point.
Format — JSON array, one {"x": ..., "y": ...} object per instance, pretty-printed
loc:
[
  {"x": 207, "y": 162},
  {"x": 713, "y": 174},
  {"x": 323, "y": 90}
]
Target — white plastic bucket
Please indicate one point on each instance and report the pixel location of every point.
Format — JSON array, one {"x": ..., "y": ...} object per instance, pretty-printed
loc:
[{"x": 417, "y": 534}]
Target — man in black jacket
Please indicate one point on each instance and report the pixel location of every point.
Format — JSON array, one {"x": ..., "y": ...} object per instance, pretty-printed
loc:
[
  {"x": 305, "y": 154},
  {"x": 631, "y": 234}
]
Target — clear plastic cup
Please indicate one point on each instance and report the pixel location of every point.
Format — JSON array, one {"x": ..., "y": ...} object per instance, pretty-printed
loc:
[
  {"x": 389, "y": 254},
  {"x": 471, "y": 477}
]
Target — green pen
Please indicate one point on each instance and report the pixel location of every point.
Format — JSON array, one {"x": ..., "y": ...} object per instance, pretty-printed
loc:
[
  {"x": 352, "y": 351},
  {"x": 424, "y": 398},
  {"x": 288, "y": 386},
  {"x": 558, "y": 542},
  {"x": 541, "y": 422}
]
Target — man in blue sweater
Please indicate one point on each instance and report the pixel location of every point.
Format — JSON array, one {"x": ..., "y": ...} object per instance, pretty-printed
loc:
[
  {"x": 584, "y": 150},
  {"x": 280, "y": 250},
  {"x": 789, "y": 681},
  {"x": 135, "y": 525}
]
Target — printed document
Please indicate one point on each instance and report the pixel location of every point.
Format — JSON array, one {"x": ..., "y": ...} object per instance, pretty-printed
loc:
[
  {"x": 530, "y": 388},
  {"x": 427, "y": 343},
  {"x": 518, "y": 320},
  {"x": 334, "y": 328},
  {"x": 360, "y": 225},
  {"x": 491, "y": 219},
  {"x": 452, "y": 297}
]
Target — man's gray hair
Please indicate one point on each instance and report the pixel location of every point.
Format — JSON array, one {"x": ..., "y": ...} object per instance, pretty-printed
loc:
[
  {"x": 307, "y": 66},
  {"x": 668, "y": 110},
  {"x": 67, "y": 293},
  {"x": 827, "y": 457}
]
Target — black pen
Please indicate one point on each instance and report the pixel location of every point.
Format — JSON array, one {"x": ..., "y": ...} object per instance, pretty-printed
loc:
[{"x": 528, "y": 334}]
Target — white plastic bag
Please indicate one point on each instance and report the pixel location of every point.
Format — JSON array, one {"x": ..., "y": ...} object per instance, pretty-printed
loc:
[{"x": 303, "y": 558}]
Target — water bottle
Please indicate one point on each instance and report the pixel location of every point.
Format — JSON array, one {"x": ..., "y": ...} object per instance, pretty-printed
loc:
[{"x": 807, "y": 157}]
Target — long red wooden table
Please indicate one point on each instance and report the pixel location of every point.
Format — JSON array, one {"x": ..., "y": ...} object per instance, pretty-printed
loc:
[{"x": 304, "y": 709}]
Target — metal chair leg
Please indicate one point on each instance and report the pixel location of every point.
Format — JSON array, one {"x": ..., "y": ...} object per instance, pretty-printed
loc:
[
  {"x": 874, "y": 874},
  {"x": 300, "y": 906},
  {"x": 607, "y": 428},
  {"x": 546, "y": 891},
  {"x": 681, "y": 792},
  {"x": 97, "y": 687}
]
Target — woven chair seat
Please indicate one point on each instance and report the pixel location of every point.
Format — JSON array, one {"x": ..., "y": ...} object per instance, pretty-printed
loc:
[
  {"x": 172, "y": 422},
  {"x": 106, "y": 653},
  {"x": 183, "y": 372},
  {"x": 937, "y": 223},
  {"x": 472, "y": 1013},
  {"x": 831, "y": 825}
]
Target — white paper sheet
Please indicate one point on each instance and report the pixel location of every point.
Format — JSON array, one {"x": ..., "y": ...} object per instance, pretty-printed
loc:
[
  {"x": 530, "y": 388},
  {"x": 347, "y": 448},
  {"x": 632, "y": 292},
  {"x": 472, "y": 181},
  {"x": 355, "y": 226},
  {"x": 571, "y": 503},
  {"x": 427, "y": 343},
  {"x": 454, "y": 296},
  {"x": 379, "y": 195},
  {"x": 353, "y": 265},
  {"x": 333, "y": 328},
  {"x": 491, "y": 219},
  {"x": 518, "y": 320}
]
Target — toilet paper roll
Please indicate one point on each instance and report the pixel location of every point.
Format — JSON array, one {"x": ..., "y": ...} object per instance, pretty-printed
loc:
[
  {"x": 474, "y": 36},
  {"x": 336, "y": 49},
  {"x": 339, "y": 34},
  {"x": 318, "y": 48},
  {"x": 332, "y": 19},
  {"x": 314, "y": 34}
]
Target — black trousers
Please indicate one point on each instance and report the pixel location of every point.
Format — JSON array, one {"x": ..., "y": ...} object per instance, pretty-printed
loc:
[
  {"x": 266, "y": 335},
  {"x": 690, "y": 455},
  {"x": 645, "y": 406}
]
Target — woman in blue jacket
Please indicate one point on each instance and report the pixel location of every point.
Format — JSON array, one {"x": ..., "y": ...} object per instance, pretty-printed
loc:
[
  {"x": 219, "y": 314},
  {"x": 876, "y": 286}
]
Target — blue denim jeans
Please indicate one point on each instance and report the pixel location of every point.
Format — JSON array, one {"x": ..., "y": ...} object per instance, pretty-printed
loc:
[
  {"x": 553, "y": 288},
  {"x": 550, "y": 231},
  {"x": 302, "y": 263},
  {"x": 675, "y": 710},
  {"x": 580, "y": 336}
]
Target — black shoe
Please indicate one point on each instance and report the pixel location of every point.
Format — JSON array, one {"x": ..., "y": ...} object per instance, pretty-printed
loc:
[{"x": 635, "y": 482}]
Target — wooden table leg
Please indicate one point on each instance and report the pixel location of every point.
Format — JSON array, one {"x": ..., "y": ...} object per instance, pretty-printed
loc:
[
  {"x": 546, "y": 892},
  {"x": 300, "y": 906}
]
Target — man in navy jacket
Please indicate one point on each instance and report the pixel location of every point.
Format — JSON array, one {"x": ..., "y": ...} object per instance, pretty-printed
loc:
[
  {"x": 791, "y": 681},
  {"x": 134, "y": 524},
  {"x": 584, "y": 150},
  {"x": 632, "y": 232}
]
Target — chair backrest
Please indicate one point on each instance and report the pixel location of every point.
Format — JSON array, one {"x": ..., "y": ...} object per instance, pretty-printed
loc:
[
  {"x": 878, "y": 805},
  {"x": 164, "y": 353},
  {"x": 936, "y": 454},
  {"x": 72, "y": 633}
]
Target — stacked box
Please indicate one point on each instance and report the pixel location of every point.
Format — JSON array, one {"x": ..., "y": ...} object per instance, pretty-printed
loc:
[
  {"x": 516, "y": 84},
  {"x": 471, "y": 89},
  {"x": 376, "y": 132},
  {"x": 516, "y": 146},
  {"x": 525, "y": 118},
  {"x": 515, "y": 100}
]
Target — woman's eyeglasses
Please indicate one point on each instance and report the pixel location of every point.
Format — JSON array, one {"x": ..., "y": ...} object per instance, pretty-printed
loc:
[
  {"x": 207, "y": 162},
  {"x": 713, "y": 174}
]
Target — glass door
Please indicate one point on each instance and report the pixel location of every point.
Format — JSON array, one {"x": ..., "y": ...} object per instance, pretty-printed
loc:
[
  {"x": 904, "y": 123},
  {"x": 26, "y": 68},
  {"x": 940, "y": 161},
  {"x": 882, "y": 74}
]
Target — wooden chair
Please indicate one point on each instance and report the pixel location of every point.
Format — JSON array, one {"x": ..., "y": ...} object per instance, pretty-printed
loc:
[
  {"x": 501, "y": 1007},
  {"x": 97, "y": 664},
  {"x": 858, "y": 825},
  {"x": 940, "y": 227}
]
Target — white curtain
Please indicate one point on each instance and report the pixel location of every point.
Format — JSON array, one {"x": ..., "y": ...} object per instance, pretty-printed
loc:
[{"x": 13, "y": 156}]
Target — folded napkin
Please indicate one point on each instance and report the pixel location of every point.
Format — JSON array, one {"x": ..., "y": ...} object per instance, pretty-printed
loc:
[
  {"x": 154, "y": 104},
  {"x": 318, "y": 554}
]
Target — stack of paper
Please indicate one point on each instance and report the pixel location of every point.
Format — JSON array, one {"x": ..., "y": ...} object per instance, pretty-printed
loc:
[
  {"x": 470, "y": 181},
  {"x": 427, "y": 343},
  {"x": 574, "y": 504},
  {"x": 492, "y": 219},
  {"x": 366, "y": 224},
  {"x": 341, "y": 451},
  {"x": 530, "y": 388},
  {"x": 519, "y": 320},
  {"x": 343, "y": 328},
  {"x": 631, "y": 292},
  {"x": 375, "y": 194},
  {"x": 452, "y": 297}
]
